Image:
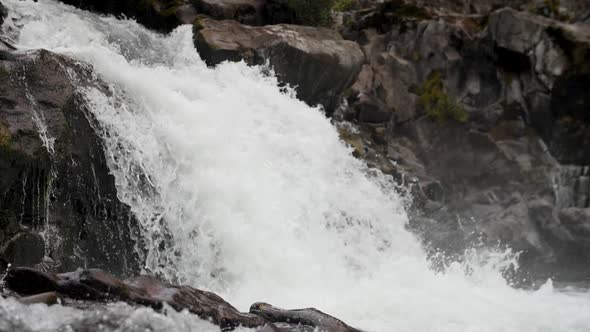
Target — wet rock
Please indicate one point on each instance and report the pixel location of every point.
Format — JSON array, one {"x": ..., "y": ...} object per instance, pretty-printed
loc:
[
  {"x": 250, "y": 12},
  {"x": 49, "y": 298},
  {"x": 98, "y": 286},
  {"x": 54, "y": 179},
  {"x": 3, "y": 13},
  {"x": 161, "y": 15},
  {"x": 316, "y": 61},
  {"x": 23, "y": 249},
  {"x": 310, "y": 317}
]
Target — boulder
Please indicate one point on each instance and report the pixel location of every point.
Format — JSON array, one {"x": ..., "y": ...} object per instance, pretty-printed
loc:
[
  {"x": 316, "y": 61},
  {"x": 244, "y": 11},
  {"x": 313, "y": 318},
  {"x": 58, "y": 200},
  {"x": 96, "y": 286},
  {"x": 161, "y": 15},
  {"x": 23, "y": 249}
]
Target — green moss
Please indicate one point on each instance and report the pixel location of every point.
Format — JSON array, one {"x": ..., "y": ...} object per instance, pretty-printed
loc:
[
  {"x": 343, "y": 5},
  {"x": 437, "y": 103},
  {"x": 308, "y": 12},
  {"x": 5, "y": 136}
]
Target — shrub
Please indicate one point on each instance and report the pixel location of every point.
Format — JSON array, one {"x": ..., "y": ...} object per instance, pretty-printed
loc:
[
  {"x": 437, "y": 103},
  {"x": 343, "y": 5}
]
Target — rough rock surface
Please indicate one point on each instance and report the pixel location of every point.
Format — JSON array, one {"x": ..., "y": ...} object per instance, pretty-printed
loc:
[
  {"x": 58, "y": 201},
  {"x": 492, "y": 178},
  {"x": 316, "y": 61},
  {"x": 250, "y": 12},
  {"x": 96, "y": 285}
]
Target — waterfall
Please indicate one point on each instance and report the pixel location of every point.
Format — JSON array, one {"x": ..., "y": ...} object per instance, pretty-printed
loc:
[{"x": 244, "y": 190}]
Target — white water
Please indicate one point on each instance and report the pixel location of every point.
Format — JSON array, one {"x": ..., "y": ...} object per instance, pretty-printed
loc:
[{"x": 262, "y": 200}]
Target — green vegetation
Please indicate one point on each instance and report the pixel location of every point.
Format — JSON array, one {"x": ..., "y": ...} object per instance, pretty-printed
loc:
[
  {"x": 5, "y": 136},
  {"x": 307, "y": 12},
  {"x": 437, "y": 103},
  {"x": 343, "y": 5}
]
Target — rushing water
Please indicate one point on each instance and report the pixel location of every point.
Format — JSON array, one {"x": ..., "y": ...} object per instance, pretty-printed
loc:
[{"x": 255, "y": 197}]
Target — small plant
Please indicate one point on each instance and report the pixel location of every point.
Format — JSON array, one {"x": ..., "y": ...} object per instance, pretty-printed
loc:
[
  {"x": 343, "y": 5},
  {"x": 437, "y": 103}
]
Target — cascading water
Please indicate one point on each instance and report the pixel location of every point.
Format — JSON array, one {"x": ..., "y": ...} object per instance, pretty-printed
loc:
[{"x": 246, "y": 191}]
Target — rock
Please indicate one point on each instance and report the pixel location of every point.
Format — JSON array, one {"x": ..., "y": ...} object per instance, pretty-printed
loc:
[
  {"x": 556, "y": 58},
  {"x": 54, "y": 180},
  {"x": 161, "y": 15},
  {"x": 24, "y": 249},
  {"x": 49, "y": 298},
  {"x": 307, "y": 317},
  {"x": 3, "y": 13},
  {"x": 316, "y": 61},
  {"x": 98, "y": 286},
  {"x": 250, "y": 12}
]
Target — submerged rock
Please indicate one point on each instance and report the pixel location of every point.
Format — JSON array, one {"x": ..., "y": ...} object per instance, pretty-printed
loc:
[
  {"x": 96, "y": 285},
  {"x": 316, "y": 61},
  {"x": 58, "y": 201}
]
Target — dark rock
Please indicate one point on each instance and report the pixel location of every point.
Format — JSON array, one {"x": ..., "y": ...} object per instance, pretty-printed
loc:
[
  {"x": 316, "y": 61},
  {"x": 250, "y": 12},
  {"x": 96, "y": 285},
  {"x": 49, "y": 298},
  {"x": 24, "y": 249},
  {"x": 161, "y": 15},
  {"x": 54, "y": 179},
  {"x": 308, "y": 317},
  {"x": 3, "y": 13}
]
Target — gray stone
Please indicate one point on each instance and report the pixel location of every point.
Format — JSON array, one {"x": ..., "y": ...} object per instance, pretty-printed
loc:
[
  {"x": 316, "y": 61},
  {"x": 244, "y": 11}
]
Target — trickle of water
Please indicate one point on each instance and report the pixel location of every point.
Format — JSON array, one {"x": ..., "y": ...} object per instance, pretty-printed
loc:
[{"x": 256, "y": 197}]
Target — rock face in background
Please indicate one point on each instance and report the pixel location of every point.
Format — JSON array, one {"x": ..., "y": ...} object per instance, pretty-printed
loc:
[
  {"x": 317, "y": 61},
  {"x": 58, "y": 201},
  {"x": 492, "y": 178}
]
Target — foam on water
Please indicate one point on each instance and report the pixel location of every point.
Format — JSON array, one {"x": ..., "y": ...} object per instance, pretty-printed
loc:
[{"x": 255, "y": 196}]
